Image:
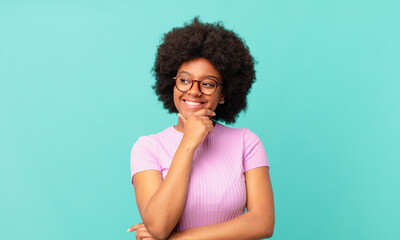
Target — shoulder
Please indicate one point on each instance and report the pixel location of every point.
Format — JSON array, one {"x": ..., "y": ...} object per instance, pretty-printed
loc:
[
  {"x": 243, "y": 133},
  {"x": 151, "y": 141},
  {"x": 225, "y": 130}
]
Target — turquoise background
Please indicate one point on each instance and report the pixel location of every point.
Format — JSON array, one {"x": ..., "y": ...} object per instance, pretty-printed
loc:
[{"x": 75, "y": 94}]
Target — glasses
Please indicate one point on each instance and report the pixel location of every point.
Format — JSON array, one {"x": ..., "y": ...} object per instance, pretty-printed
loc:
[{"x": 207, "y": 86}]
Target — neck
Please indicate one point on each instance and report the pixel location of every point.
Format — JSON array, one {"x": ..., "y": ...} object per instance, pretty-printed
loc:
[{"x": 180, "y": 126}]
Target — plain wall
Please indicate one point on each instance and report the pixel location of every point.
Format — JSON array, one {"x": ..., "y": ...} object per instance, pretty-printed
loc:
[{"x": 75, "y": 94}]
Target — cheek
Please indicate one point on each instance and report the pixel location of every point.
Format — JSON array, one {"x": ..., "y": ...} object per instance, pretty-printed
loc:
[
  {"x": 217, "y": 99},
  {"x": 213, "y": 103}
]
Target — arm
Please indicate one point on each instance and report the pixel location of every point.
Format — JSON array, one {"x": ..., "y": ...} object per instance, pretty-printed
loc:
[
  {"x": 161, "y": 203},
  {"x": 257, "y": 223}
]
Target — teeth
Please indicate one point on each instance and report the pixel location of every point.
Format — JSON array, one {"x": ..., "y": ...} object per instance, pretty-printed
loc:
[{"x": 192, "y": 103}]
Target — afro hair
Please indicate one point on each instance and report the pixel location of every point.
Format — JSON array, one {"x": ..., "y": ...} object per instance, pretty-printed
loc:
[{"x": 223, "y": 48}]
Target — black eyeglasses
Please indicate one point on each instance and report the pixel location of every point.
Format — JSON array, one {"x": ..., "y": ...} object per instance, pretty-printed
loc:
[{"x": 207, "y": 86}]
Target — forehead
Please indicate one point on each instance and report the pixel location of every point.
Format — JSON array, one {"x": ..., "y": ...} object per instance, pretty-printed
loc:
[{"x": 198, "y": 68}]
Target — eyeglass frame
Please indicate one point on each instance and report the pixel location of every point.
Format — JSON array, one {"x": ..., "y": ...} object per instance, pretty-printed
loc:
[{"x": 199, "y": 81}]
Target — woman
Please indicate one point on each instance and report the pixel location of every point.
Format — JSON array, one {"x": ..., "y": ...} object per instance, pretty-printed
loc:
[{"x": 195, "y": 179}]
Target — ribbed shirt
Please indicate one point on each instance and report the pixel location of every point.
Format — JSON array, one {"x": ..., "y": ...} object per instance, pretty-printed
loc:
[{"x": 217, "y": 189}]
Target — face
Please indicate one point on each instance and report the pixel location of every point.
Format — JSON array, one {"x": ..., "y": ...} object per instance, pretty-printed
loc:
[{"x": 193, "y": 100}]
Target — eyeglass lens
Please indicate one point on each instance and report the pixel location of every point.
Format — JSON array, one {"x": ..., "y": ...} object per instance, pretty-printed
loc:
[{"x": 207, "y": 86}]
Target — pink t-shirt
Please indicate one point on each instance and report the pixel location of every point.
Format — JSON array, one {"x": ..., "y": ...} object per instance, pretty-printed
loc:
[{"x": 217, "y": 190}]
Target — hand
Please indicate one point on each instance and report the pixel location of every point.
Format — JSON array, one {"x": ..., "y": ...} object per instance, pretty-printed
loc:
[
  {"x": 197, "y": 126},
  {"x": 141, "y": 232}
]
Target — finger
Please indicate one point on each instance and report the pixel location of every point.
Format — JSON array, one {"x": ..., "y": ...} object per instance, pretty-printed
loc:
[
  {"x": 134, "y": 228},
  {"x": 205, "y": 118},
  {"x": 208, "y": 128},
  {"x": 181, "y": 117},
  {"x": 208, "y": 122},
  {"x": 138, "y": 236},
  {"x": 204, "y": 112},
  {"x": 144, "y": 234}
]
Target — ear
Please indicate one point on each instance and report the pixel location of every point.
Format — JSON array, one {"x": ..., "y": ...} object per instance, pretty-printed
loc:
[{"x": 222, "y": 100}]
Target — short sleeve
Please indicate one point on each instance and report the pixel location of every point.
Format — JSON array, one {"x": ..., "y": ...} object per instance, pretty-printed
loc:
[
  {"x": 254, "y": 153},
  {"x": 144, "y": 156}
]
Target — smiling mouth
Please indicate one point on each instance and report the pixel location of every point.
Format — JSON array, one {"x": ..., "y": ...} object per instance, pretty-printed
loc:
[{"x": 193, "y": 104}]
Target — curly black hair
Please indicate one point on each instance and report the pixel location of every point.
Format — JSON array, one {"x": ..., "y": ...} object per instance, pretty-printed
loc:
[{"x": 223, "y": 48}]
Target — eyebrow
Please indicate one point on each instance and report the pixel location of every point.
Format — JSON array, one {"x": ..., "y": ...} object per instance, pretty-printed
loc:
[{"x": 206, "y": 76}]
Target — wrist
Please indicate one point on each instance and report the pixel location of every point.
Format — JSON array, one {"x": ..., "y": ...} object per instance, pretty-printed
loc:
[
  {"x": 174, "y": 236},
  {"x": 187, "y": 145}
]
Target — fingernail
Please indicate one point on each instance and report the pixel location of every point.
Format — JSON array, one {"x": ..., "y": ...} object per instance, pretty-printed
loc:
[
  {"x": 214, "y": 114},
  {"x": 129, "y": 229}
]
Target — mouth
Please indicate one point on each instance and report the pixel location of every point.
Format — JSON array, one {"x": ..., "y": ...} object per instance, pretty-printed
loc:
[{"x": 194, "y": 104}]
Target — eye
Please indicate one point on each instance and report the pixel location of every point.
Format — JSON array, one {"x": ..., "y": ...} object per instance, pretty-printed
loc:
[
  {"x": 208, "y": 84},
  {"x": 184, "y": 80}
]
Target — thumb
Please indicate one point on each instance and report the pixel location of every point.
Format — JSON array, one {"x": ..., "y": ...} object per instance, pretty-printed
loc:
[{"x": 181, "y": 117}]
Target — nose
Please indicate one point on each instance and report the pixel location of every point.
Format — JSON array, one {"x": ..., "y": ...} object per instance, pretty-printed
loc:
[{"x": 195, "y": 89}]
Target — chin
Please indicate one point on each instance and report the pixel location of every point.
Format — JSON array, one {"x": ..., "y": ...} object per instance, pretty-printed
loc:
[{"x": 186, "y": 114}]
